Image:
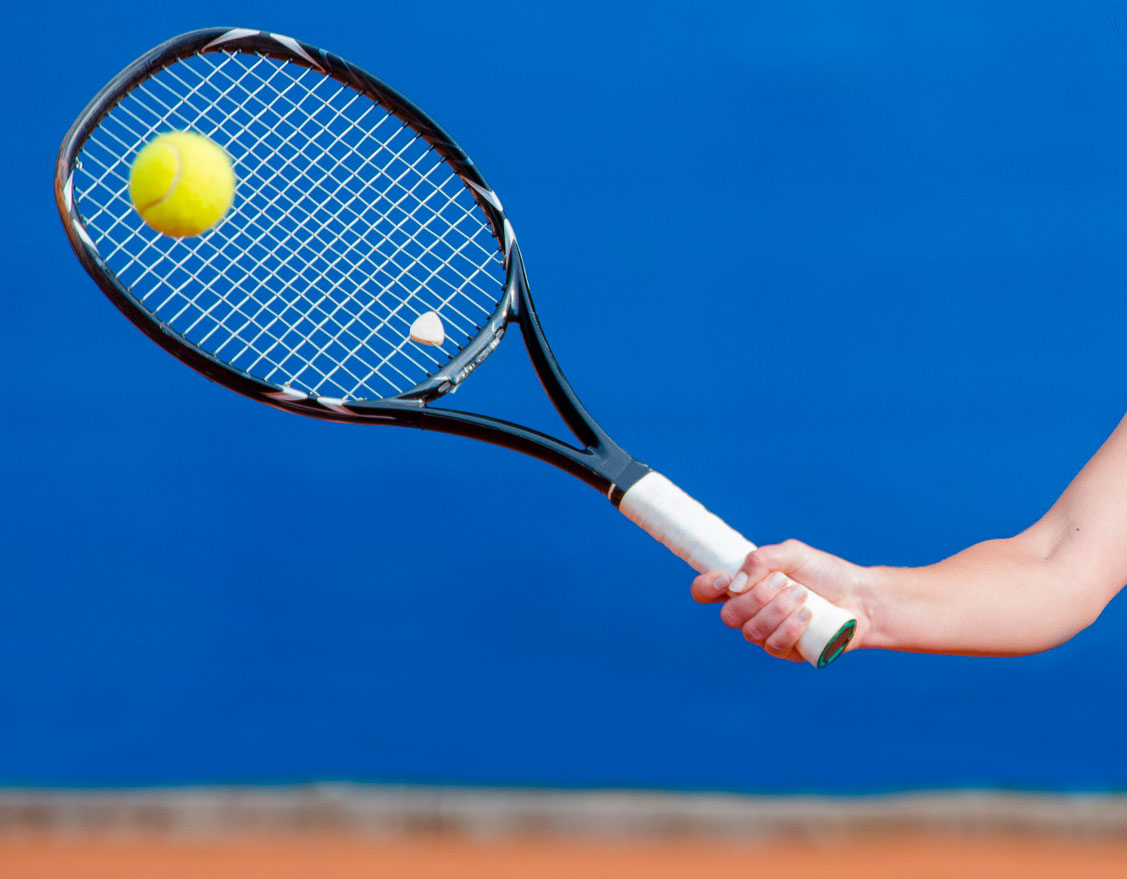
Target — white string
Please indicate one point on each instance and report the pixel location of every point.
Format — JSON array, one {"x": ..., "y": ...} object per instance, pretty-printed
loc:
[
  {"x": 346, "y": 227},
  {"x": 403, "y": 269}
]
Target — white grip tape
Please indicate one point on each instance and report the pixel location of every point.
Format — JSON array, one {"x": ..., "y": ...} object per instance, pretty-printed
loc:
[{"x": 707, "y": 543}]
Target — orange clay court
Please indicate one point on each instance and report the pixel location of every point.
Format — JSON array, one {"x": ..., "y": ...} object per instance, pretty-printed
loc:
[{"x": 343, "y": 857}]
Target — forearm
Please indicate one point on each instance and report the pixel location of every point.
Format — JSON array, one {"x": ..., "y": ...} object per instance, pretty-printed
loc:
[
  {"x": 1019, "y": 595},
  {"x": 998, "y": 598}
]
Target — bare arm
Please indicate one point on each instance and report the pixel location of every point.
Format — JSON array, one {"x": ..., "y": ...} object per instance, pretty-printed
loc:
[{"x": 1018, "y": 595}]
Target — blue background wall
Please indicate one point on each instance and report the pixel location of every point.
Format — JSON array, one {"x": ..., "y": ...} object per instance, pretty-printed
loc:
[{"x": 869, "y": 259}]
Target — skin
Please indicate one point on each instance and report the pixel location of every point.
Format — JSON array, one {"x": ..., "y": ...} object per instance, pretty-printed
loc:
[{"x": 1007, "y": 597}]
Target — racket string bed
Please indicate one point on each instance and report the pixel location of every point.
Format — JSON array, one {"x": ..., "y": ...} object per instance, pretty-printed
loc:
[{"x": 348, "y": 227}]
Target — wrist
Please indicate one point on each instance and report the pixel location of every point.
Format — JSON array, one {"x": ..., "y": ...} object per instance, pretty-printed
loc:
[{"x": 875, "y": 585}]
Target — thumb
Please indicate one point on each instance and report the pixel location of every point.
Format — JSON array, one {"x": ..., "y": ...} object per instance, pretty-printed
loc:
[{"x": 811, "y": 567}]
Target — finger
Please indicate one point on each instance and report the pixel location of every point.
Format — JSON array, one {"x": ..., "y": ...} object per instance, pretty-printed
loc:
[
  {"x": 783, "y": 642},
  {"x": 742, "y": 608},
  {"x": 764, "y": 624},
  {"x": 788, "y": 557},
  {"x": 711, "y": 587},
  {"x": 751, "y": 572}
]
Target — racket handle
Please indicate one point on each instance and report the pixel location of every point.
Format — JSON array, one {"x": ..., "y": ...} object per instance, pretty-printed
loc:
[{"x": 707, "y": 543}]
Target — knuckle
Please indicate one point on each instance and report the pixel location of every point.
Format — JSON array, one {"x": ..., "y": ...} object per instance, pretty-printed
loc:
[
  {"x": 785, "y": 636},
  {"x": 754, "y": 600},
  {"x": 753, "y": 604},
  {"x": 764, "y": 593},
  {"x": 756, "y": 560},
  {"x": 758, "y": 628},
  {"x": 730, "y": 615}
]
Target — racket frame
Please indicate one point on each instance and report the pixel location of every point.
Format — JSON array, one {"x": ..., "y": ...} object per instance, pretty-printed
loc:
[{"x": 599, "y": 461}]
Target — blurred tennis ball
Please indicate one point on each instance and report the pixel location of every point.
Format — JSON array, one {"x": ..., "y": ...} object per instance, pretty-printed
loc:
[{"x": 182, "y": 183}]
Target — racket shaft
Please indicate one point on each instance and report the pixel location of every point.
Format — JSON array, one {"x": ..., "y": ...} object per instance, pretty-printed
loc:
[{"x": 708, "y": 543}]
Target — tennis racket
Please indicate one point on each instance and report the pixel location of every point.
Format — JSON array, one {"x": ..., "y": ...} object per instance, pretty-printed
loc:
[{"x": 365, "y": 270}]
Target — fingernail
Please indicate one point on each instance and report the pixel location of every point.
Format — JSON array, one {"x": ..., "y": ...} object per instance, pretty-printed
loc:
[
  {"x": 739, "y": 583},
  {"x": 804, "y": 615},
  {"x": 720, "y": 584},
  {"x": 797, "y": 593},
  {"x": 776, "y": 581}
]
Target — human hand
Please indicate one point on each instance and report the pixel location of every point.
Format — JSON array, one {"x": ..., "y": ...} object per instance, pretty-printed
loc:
[{"x": 764, "y": 599}]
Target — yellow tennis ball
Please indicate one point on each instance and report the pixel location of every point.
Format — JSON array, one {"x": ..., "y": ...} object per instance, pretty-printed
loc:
[{"x": 182, "y": 183}]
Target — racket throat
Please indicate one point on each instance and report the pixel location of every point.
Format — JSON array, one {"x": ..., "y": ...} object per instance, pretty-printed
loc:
[{"x": 622, "y": 473}]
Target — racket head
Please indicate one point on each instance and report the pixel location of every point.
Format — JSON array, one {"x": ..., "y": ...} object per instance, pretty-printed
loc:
[{"x": 355, "y": 213}]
